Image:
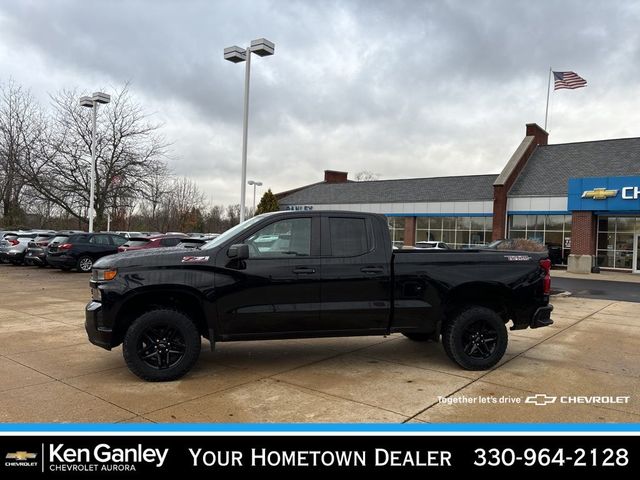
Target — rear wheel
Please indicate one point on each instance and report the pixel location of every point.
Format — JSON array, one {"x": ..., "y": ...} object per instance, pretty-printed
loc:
[
  {"x": 161, "y": 345},
  {"x": 85, "y": 264},
  {"x": 476, "y": 338}
]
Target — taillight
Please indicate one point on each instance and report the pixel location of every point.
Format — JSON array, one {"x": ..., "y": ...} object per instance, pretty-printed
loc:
[
  {"x": 65, "y": 246},
  {"x": 14, "y": 242},
  {"x": 546, "y": 283}
]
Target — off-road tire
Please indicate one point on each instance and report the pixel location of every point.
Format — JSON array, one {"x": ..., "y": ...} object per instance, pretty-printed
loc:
[
  {"x": 459, "y": 333},
  {"x": 186, "y": 334}
]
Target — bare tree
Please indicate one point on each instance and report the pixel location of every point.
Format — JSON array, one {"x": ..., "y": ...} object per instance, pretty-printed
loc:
[
  {"x": 367, "y": 176},
  {"x": 21, "y": 129},
  {"x": 129, "y": 150}
]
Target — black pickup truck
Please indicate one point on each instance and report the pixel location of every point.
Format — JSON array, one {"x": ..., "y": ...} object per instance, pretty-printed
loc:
[{"x": 311, "y": 274}]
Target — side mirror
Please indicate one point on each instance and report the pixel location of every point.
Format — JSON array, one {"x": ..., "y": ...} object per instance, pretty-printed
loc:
[{"x": 239, "y": 251}]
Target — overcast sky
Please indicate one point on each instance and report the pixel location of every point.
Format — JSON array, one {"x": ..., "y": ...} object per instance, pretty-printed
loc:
[{"x": 400, "y": 88}]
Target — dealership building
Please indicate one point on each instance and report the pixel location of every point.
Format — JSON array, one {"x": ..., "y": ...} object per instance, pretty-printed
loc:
[{"x": 580, "y": 199}]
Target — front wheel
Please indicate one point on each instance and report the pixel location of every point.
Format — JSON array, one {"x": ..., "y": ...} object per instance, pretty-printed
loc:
[
  {"x": 476, "y": 338},
  {"x": 161, "y": 345}
]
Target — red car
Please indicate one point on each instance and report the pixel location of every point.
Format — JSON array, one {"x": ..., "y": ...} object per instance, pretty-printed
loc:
[{"x": 139, "y": 243}]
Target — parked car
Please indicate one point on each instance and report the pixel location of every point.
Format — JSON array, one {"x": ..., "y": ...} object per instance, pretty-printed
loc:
[
  {"x": 36, "y": 253},
  {"x": 433, "y": 245},
  {"x": 13, "y": 249},
  {"x": 128, "y": 234},
  {"x": 81, "y": 250},
  {"x": 141, "y": 243},
  {"x": 346, "y": 281}
]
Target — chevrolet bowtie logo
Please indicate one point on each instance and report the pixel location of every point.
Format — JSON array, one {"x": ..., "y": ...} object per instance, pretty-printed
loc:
[
  {"x": 540, "y": 399},
  {"x": 599, "y": 193},
  {"x": 21, "y": 456}
]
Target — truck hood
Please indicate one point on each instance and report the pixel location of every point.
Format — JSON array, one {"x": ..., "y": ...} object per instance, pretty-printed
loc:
[{"x": 157, "y": 257}]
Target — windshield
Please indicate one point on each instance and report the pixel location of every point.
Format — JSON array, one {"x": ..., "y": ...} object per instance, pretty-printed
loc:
[{"x": 222, "y": 238}]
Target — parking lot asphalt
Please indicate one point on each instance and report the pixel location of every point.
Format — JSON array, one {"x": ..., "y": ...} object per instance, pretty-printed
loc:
[{"x": 50, "y": 373}]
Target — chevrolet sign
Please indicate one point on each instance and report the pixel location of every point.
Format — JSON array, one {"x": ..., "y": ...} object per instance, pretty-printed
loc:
[
  {"x": 599, "y": 193},
  {"x": 605, "y": 194}
]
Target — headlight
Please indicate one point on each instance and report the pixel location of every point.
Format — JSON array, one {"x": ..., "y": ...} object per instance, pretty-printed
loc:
[{"x": 102, "y": 275}]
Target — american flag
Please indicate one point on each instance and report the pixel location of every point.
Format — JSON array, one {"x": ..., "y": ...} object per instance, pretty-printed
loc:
[{"x": 568, "y": 80}]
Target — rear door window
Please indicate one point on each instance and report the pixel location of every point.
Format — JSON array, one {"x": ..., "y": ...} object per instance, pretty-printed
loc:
[
  {"x": 348, "y": 236},
  {"x": 81, "y": 238},
  {"x": 103, "y": 240}
]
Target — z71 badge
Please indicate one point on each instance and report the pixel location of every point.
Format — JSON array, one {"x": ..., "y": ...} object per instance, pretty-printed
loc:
[{"x": 191, "y": 259}]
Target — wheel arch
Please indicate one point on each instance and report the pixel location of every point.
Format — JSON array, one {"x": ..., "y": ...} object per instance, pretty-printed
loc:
[
  {"x": 183, "y": 299},
  {"x": 495, "y": 296}
]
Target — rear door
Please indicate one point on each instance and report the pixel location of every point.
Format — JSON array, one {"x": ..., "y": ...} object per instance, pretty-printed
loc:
[
  {"x": 276, "y": 291},
  {"x": 355, "y": 290}
]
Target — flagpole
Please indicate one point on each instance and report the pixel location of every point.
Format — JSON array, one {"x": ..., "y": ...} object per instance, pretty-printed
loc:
[{"x": 546, "y": 112}]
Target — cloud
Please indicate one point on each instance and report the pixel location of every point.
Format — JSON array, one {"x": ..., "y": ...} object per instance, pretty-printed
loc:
[{"x": 403, "y": 88}]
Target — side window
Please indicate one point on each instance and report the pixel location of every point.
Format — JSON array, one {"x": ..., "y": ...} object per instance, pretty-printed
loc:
[
  {"x": 348, "y": 236},
  {"x": 118, "y": 240},
  {"x": 286, "y": 238},
  {"x": 100, "y": 240},
  {"x": 170, "y": 242}
]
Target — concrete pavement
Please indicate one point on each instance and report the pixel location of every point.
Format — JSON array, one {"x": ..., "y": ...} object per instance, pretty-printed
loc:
[{"x": 50, "y": 373}]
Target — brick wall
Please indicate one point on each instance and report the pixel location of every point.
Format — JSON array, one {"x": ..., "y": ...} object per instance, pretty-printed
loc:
[
  {"x": 499, "y": 212},
  {"x": 500, "y": 192},
  {"x": 410, "y": 231},
  {"x": 583, "y": 233}
]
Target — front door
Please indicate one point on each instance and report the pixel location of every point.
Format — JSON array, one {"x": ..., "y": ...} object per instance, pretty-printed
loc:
[
  {"x": 636, "y": 254},
  {"x": 277, "y": 289}
]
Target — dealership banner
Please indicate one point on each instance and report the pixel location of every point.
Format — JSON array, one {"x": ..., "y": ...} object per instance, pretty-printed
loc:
[
  {"x": 606, "y": 194},
  {"x": 138, "y": 456}
]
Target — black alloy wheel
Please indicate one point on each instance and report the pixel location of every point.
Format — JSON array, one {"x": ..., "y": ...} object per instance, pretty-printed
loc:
[
  {"x": 161, "y": 347},
  {"x": 475, "y": 338},
  {"x": 479, "y": 339}
]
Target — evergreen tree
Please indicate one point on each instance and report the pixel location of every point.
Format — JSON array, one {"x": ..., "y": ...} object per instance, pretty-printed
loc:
[{"x": 268, "y": 203}]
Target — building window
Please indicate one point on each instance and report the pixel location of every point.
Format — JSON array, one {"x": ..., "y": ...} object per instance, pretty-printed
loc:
[
  {"x": 457, "y": 232},
  {"x": 615, "y": 241},
  {"x": 554, "y": 231},
  {"x": 396, "y": 229}
]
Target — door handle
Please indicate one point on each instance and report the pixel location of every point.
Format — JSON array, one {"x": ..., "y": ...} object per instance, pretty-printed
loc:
[
  {"x": 305, "y": 270},
  {"x": 372, "y": 270}
]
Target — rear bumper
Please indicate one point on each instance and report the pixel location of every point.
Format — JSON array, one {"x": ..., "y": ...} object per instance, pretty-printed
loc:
[
  {"x": 96, "y": 331},
  {"x": 35, "y": 258},
  {"x": 542, "y": 317}
]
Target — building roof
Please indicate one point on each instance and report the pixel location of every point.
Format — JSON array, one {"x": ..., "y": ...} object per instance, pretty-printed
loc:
[
  {"x": 435, "y": 189},
  {"x": 548, "y": 170}
]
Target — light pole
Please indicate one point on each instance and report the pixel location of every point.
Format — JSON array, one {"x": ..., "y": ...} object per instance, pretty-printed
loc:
[
  {"x": 255, "y": 184},
  {"x": 92, "y": 102},
  {"x": 261, "y": 47}
]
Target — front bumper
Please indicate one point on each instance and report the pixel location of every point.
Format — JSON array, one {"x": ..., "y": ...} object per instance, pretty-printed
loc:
[{"x": 98, "y": 334}]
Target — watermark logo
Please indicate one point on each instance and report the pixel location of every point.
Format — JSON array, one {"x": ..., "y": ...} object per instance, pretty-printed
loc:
[
  {"x": 540, "y": 399},
  {"x": 20, "y": 459}
]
